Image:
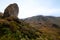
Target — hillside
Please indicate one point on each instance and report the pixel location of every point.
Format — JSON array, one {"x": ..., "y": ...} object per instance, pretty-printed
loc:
[
  {"x": 33, "y": 28},
  {"x": 13, "y": 28},
  {"x": 18, "y": 29},
  {"x": 46, "y": 24}
]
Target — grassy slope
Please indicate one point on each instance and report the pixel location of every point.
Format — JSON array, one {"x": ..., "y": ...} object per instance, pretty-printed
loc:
[
  {"x": 15, "y": 29},
  {"x": 47, "y": 24}
]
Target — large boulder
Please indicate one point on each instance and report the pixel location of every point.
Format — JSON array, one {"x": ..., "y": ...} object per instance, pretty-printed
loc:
[{"x": 11, "y": 10}]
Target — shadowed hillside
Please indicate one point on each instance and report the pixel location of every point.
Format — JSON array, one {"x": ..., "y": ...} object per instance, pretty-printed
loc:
[{"x": 18, "y": 29}]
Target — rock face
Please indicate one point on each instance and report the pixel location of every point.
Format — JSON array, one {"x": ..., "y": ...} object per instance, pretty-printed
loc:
[{"x": 11, "y": 10}]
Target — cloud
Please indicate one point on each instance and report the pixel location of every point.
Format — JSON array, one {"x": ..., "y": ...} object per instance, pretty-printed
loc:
[
  {"x": 28, "y": 12},
  {"x": 38, "y": 7}
]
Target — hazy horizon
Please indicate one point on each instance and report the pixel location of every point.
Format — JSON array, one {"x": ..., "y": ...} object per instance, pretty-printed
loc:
[{"x": 28, "y": 8}]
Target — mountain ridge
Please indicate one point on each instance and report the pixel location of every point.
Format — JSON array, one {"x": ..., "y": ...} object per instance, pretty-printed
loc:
[{"x": 47, "y": 19}]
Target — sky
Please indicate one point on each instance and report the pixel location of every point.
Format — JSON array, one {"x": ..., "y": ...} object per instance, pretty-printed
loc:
[{"x": 29, "y": 8}]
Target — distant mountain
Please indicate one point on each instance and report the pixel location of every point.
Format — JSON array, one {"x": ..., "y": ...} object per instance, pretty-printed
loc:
[{"x": 44, "y": 20}]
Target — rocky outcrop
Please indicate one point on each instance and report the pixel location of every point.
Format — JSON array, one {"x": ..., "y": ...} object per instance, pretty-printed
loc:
[{"x": 11, "y": 10}]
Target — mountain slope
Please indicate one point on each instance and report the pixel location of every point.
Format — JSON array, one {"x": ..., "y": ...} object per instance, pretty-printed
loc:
[
  {"x": 19, "y": 29},
  {"x": 46, "y": 24},
  {"x": 16, "y": 29}
]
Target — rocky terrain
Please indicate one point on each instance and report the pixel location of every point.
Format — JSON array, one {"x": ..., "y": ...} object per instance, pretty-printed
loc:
[{"x": 33, "y": 28}]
